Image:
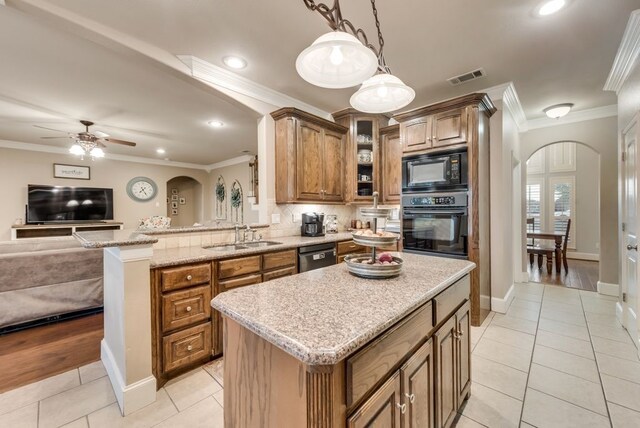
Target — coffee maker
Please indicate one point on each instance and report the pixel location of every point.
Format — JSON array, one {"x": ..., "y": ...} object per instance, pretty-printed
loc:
[{"x": 312, "y": 224}]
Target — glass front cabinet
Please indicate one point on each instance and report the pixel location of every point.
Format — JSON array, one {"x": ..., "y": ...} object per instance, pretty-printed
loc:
[{"x": 363, "y": 175}]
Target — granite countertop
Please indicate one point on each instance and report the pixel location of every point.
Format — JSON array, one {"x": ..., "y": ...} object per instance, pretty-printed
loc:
[
  {"x": 113, "y": 238},
  {"x": 193, "y": 254},
  {"x": 192, "y": 229},
  {"x": 322, "y": 316}
]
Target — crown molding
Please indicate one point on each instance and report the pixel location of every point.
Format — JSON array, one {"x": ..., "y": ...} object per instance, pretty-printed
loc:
[
  {"x": 627, "y": 54},
  {"x": 575, "y": 116},
  {"x": 509, "y": 96},
  {"x": 109, "y": 156},
  {"x": 203, "y": 70},
  {"x": 230, "y": 162}
]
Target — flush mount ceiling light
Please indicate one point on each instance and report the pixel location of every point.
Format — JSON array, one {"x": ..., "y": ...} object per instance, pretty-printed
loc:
[
  {"x": 345, "y": 58},
  {"x": 550, "y": 7},
  {"x": 215, "y": 124},
  {"x": 161, "y": 151},
  {"x": 234, "y": 62},
  {"x": 559, "y": 110}
]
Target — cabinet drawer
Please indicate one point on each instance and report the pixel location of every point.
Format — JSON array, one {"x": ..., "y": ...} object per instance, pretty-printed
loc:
[
  {"x": 267, "y": 276},
  {"x": 239, "y": 282},
  {"x": 447, "y": 301},
  {"x": 349, "y": 247},
  {"x": 279, "y": 260},
  {"x": 183, "y": 308},
  {"x": 185, "y": 276},
  {"x": 185, "y": 347},
  {"x": 238, "y": 267},
  {"x": 371, "y": 364}
]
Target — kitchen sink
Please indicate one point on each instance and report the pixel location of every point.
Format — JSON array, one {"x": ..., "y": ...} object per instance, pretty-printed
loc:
[
  {"x": 225, "y": 247},
  {"x": 259, "y": 244}
]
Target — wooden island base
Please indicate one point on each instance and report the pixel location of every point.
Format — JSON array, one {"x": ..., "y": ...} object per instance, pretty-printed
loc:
[{"x": 416, "y": 374}]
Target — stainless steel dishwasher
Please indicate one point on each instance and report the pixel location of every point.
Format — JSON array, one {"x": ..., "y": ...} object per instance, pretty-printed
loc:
[{"x": 316, "y": 256}]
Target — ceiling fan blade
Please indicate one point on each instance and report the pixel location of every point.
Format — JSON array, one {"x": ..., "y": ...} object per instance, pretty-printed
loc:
[
  {"x": 116, "y": 141},
  {"x": 100, "y": 134},
  {"x": 49, "y": 129},
  {"x": 102, "y": 146},
  {"x": 53, "y": 138}
]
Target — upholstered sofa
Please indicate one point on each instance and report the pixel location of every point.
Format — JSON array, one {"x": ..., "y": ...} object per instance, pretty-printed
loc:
[{"x": 47, "y": 277}]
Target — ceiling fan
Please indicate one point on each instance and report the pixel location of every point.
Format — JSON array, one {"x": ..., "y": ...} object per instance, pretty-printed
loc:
[{"x": 86, "y": 142}]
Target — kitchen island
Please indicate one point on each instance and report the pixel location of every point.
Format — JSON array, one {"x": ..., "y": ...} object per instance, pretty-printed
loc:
[{"x": 327, "y": 349}]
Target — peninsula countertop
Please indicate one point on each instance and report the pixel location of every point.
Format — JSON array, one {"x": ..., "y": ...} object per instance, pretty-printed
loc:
[
  {"x": 322, "y": 316},
  {"x": 113, "y": 238}
]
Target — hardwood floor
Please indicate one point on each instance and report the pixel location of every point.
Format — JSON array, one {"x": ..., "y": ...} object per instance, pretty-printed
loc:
[
  {"x": 582, "y": 275},
  {"x": 40, "y": 352}
]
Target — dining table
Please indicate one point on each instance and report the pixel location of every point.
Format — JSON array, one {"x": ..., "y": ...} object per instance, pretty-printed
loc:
[{"x": 554, "y": 236}]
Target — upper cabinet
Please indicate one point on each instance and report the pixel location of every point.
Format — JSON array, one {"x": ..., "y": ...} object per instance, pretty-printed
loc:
[
  {"x": 391, "y": 164},
  {"x": 362, "y": 155},
  {"x": 310, "y": 153}
]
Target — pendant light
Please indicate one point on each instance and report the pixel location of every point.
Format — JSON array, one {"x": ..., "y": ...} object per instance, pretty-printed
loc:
[
  {"x": 336, "y": 60},
  {"x": 345, "y": 58}
]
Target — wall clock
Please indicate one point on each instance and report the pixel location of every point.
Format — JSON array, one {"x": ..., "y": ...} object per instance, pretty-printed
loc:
[{"x": 142, "y": 189}]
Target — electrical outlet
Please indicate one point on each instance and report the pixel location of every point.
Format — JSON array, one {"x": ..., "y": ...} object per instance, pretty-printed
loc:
[
  {"x": 295, "y": 218},
  {"x": 275, "y": 218}
]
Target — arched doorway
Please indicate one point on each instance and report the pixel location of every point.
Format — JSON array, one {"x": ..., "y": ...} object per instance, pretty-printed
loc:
[
  {"x": 562, "y": 184},
  {"x": 184, "y": 201}
]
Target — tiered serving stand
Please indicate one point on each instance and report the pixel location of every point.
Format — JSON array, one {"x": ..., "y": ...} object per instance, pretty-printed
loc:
[{"x": 373, "y": 271}]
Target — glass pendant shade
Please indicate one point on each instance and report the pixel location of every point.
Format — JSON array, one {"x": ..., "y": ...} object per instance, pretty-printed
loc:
[
  {"x": 76, "y": 149},
  {"x": 382, "y": 93},
  {"x": 97, "y": 152},
  {"x": 336, "y": 60}
]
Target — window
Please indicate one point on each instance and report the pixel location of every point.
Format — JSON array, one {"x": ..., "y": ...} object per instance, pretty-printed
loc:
[
  {"x": 562, "y": 205},
  {"x": 534, "y": 203}
]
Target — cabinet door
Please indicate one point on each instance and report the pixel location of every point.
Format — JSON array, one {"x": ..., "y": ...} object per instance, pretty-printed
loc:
[
  {"x": 449, "y": 128},
  {"x": 416, "y": 134},
  {"x": 464, "y": 348},
  {"x": 418, "y": 388},
  {"x": 391, "y": 168},
  {"x": 309, "y": 162},
  {"x": 382, "y": 410},
  {"x": 446, "y": 394},
  {"x": 333, "y": 167}
]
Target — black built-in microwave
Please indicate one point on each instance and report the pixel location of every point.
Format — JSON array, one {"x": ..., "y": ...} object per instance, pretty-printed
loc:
[{"x": 435, "y": 172}]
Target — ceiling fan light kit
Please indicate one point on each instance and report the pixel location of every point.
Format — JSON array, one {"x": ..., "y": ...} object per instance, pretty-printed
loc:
[{"x": 345, "y": 58}]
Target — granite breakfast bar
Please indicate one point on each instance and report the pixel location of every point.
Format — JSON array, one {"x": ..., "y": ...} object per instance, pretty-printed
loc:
[{"x": 327, "y": 349}]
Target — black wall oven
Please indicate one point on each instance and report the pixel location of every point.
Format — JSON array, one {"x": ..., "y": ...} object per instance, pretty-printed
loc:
[
  {"x": 435, "y": 172},
  {"x": 435, "y": 223}
]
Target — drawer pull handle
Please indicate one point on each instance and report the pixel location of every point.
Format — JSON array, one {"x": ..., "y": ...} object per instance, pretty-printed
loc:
[
  {"x": 189, "y": 348},
  {"x": 189, "y": 277},
  {"x": 411, "y": 397},
  {"x": 402, "y": 407},
  {"x": 188, "y": 308}
]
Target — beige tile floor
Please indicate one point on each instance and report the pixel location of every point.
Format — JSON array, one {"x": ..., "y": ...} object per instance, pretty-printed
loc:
[{"x": 557, "y": 358}]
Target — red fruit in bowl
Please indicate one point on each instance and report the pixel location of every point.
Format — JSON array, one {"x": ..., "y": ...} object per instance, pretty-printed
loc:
[{"x": 385, "y": 257}]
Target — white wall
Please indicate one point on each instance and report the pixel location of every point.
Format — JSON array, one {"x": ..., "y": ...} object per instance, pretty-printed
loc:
[{"x": 18, "y": 168}]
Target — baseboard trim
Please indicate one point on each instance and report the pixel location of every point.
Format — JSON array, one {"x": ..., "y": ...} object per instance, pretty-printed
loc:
[
  {"x": 608, "y": 289},
  {"x": 619, "y": 314},
  {"x": 502, "y": 305},
  {"x": 130, "y": 397},
  {"x": 572, "y": 255}
]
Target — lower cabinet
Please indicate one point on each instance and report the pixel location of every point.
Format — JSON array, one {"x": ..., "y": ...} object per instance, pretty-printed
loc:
[
  {"x": 453, "y": 366},
  {"x": 383, "y": 409}
]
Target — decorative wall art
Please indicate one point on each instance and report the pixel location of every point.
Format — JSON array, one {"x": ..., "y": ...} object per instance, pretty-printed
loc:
[
  {"x": 183, "y": 201},
  {"x": 79, "y": 172},
  {"x": 221, "y": 199},
  {"x": 174, "y": 205},
  {"x": 174, "y": 212},
  {"x": 174, "y": 197},
  {"x": 174, "y": 191},
  {"x": 237, "y": 211}
]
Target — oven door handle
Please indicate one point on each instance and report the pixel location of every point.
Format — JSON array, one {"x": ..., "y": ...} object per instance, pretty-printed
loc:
[{"x": 461, "y": 212}]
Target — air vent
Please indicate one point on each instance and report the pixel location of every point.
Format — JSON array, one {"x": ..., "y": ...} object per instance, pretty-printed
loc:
[{"x": 466, "y": 77}]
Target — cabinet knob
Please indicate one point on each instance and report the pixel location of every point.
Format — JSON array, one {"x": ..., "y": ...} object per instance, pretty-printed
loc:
[
  {"x": 188, "y": 308},
  {"x": 402, "y": 407},
  {"x": 189, "y": 348},
  {"x": 433, "y": 137},
  {"x": 411, "y": 397},
  {"x": 189, "y": 277}
]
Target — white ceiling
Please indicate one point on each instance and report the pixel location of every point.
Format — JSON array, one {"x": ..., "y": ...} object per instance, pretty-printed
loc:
[{"x": 561, "y": 58}]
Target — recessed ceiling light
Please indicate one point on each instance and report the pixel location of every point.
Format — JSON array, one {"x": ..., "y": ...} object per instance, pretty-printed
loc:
[
  {"x": 215, "y": 124},
  {"x": 559, "y": 110},
  {"x": 234, "y": 62},
  {"x": 550, "y": 7},
  {"x": 161, "y": 151}
]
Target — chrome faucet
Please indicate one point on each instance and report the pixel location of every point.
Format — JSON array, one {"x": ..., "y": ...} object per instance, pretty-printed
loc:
[{"x": 237, "y": 237}]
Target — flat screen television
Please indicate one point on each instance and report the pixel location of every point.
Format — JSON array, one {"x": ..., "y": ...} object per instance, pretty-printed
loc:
[{"x": 59, "y": 204}]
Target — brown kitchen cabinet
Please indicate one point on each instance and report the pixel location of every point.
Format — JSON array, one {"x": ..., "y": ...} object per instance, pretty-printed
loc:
[
  {"x": 310, "y": 153},
  {"x": 362, "y": 167},
  {"x": 391, "y": 164},
  {"x": 346, "y": 248},
  {"x": 418, "y": 388},
  {"x": 382, "y": 409},
  {"x": 434, "y": 131}
]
